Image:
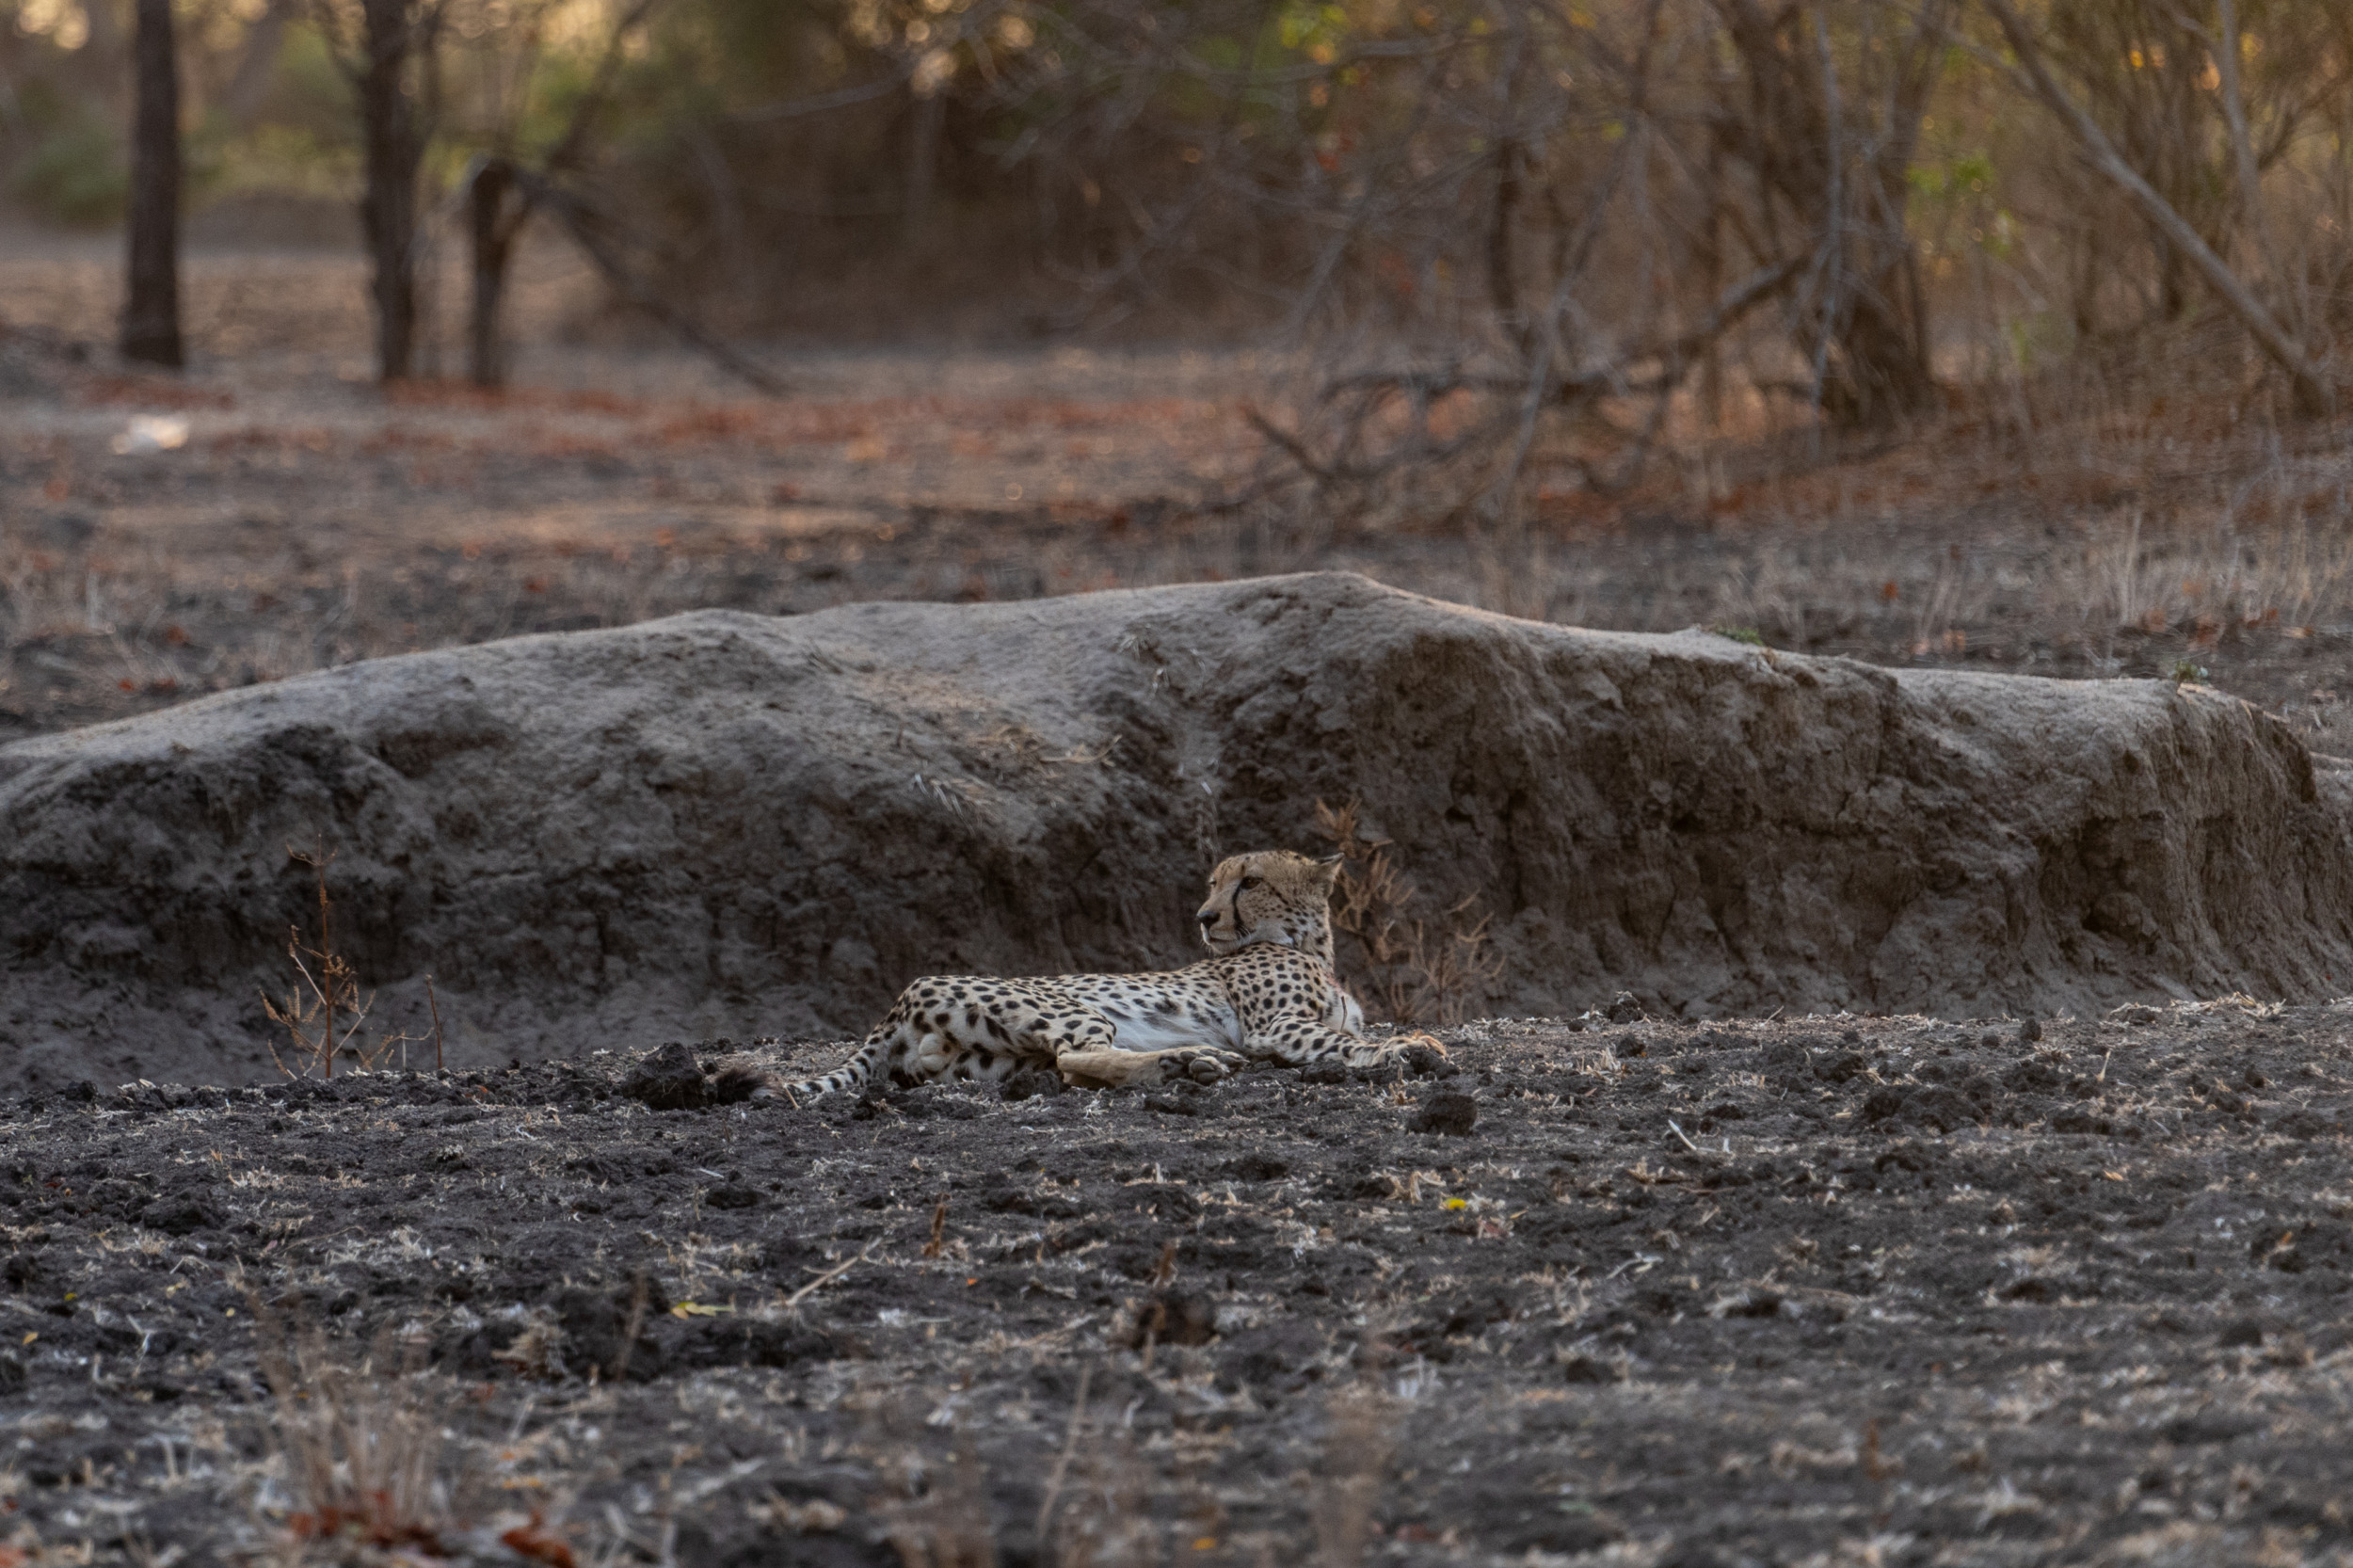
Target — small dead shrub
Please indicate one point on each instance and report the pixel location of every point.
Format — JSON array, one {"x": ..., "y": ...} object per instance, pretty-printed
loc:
[
  {"x": 1420, "y": 967},
  {"x": 314, "y": 1012}
]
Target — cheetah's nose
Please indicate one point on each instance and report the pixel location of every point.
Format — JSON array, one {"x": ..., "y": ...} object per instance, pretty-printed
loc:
[{"x": 1207, "y": 917}]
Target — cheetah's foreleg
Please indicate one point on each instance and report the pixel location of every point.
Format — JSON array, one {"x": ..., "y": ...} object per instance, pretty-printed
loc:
[
  {"x": 1144, "y": 1069},
  {"x": 1296, "y": 1042}
]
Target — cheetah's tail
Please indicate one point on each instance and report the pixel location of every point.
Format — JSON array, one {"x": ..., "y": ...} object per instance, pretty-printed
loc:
[
  {"x": 740, "y": 1081},
  {"x": 856, "y": 1073}
]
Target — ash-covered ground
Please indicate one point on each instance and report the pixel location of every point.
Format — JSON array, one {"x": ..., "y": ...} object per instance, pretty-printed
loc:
[{"x": 1807, "y": 1291}]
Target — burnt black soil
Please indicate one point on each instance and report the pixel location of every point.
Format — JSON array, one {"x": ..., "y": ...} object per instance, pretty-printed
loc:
[{"x": 1829, "y": 1289}]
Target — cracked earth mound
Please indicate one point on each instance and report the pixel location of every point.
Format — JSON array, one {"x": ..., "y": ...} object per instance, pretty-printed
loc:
[{"x": 722, "y": 824}]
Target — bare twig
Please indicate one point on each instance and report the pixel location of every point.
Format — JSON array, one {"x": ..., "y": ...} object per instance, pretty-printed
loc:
[
  {"x": 797, "y": 1297},
  {"x": 1070, "y": 1447},
  {"x": 2257, "y": 215}
]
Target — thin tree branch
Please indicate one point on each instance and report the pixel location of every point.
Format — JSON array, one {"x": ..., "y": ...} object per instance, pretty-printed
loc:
[
  {"x": 2311, "y": 392},
  {"x": 2250, "y": 193},
  {"x": 581, "y": 223}
]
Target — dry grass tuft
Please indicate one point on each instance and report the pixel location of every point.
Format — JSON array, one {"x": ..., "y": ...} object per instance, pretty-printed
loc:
[
  {"x": 362, "y": 1445},
  {"x": 1356, "y": 1471},
  {"x": 944, "y": 1523},
  {"x": 372, "y": 1463},
  {"x": 1097, "y": 1512}
]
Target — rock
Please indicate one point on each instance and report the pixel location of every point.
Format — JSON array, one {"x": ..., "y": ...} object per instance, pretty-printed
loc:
[
  {"x": 669, "y": 1079},
  {"x": 184, "y": 1215},
  {"x": 1447, "y": 1112},
  {"x": 1281, "y": 1352},
  {"x": 1175, "y": 1317},
  {"x": 729, "y": 1341},
  {"x": 2211, "y": 1426},
  {"x": 722, "y": 824},
  {"x": 1839, "y": 1069},
  {"x": 1885, "y": 1103},
  {"x": 1940, "y": 1107},
  {"x": 1580, "y": 1368},
  {"x": 607, "y": 1329}
]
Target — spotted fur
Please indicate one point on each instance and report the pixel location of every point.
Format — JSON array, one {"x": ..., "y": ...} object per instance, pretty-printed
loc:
[{"x": 1267, "y": 995}]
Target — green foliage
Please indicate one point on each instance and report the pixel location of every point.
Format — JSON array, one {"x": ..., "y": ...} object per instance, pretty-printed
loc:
[
  {"x": 2189, "y": 673},
  {"x": 309, "y": 93},
  {"x": 1748, "y": 635},
  {"x": 303, "y": 140},
  {"x": 75, "y": 174},
  {"x": 1316, "y": 31},
  {"x": 1953, "y": 179},
  {"x": 271, "y": 157}
]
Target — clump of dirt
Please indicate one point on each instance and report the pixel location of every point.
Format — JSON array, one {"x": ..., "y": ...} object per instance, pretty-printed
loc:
[
  {"x": 1761, "y": 1291},
  {"x": 744, "y": 825}
]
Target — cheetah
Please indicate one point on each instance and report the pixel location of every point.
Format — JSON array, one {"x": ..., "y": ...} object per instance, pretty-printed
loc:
[{"x": 1268, "y": 994}]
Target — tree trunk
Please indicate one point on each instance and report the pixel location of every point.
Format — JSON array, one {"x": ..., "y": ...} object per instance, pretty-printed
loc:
[
  {"x": 493, "y": 243},
  {"x": 1503, "y": 286},
  {"x": 1798, "y": 132},
  {"x": 151, "y": 316},
  {"x": 387, "y": 207}
]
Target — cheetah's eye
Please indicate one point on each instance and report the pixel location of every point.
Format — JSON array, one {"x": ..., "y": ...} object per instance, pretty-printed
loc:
[{"x": 1250, "y": 882}]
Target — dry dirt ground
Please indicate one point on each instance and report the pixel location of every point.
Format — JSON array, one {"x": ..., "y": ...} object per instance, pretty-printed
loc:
[
  {"x": 306, "y": 518},
  {"x": 1820, "y": 1290}
]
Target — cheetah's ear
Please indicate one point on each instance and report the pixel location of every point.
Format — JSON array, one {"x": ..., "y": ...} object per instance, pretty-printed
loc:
[{"x": 1327, "y": 872}]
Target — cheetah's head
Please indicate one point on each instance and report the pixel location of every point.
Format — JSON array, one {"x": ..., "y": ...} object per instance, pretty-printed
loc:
[{"x": 1271, "y": 896}]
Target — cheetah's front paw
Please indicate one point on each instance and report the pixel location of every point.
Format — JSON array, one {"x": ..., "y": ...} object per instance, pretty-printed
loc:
[{"x": 1203, "y": 1065}]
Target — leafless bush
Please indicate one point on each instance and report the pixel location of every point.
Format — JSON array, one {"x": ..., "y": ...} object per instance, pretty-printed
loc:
[
  {"x": 1514, "y": 234},
  {"x": 1423, "y": 967},
  {"x": 323, "y": 1013}
]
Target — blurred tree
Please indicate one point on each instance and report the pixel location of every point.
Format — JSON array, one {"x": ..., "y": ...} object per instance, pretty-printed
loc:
[
  {"x": 1825, "y": 118},
  {"x": 384, "y": 56},
  {"x": 1503, "y": 230},
  {"x": 151, "y": 316},
  {"x": 503, "y": 193},
  {"x": 494, "y": 221}
]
